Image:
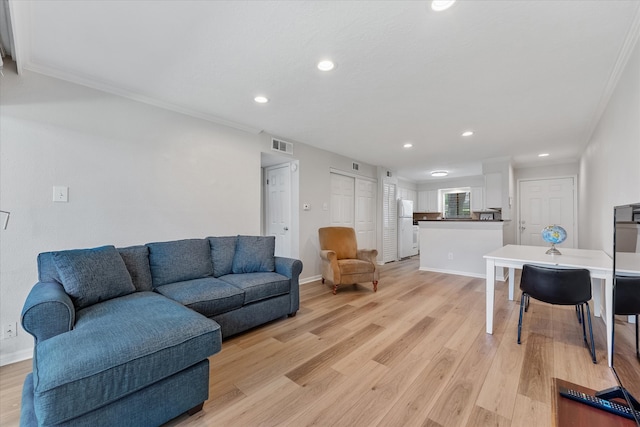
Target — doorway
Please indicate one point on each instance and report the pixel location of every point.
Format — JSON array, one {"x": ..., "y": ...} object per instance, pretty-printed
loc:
[
  {"x": 546, "y": 202},
  {"x": 280, "y": 197}
]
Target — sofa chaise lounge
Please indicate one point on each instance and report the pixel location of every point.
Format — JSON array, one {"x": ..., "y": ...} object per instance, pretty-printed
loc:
[{"x": 122, "y": 336}]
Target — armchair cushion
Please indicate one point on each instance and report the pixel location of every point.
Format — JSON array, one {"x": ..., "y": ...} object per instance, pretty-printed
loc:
[
  {"x": 355, "y": 266},
  {"x": 93, "y": 275},
  {"x": 254, "y": 254}
]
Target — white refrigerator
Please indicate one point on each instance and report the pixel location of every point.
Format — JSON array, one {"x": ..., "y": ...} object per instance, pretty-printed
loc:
[{"x": 406, "y": 248}]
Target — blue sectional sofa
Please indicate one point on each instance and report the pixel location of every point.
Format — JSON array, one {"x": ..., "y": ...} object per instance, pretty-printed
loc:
[{"x": 123, "y": 335}]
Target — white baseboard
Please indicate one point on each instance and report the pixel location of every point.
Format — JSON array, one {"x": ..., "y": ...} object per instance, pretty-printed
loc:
[
  {"x": 310, "y": 279},
  {"x": 18, "y": 356},
  {"x": 458, "y": 273}
]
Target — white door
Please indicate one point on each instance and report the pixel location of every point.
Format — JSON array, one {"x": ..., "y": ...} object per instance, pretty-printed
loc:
[
  {"x": 279, "y": 207},
  {"x": 342, "y": 200},
  {"x": 365, "y": 213},
  {"x": 546, "y": 202}
]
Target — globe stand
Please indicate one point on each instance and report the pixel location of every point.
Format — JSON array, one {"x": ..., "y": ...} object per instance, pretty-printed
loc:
[{"x": 553, "y": 251}]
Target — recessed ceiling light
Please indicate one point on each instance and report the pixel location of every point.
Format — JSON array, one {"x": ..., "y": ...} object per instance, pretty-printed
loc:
[
  {"x": 543, "y": 155},
  {"x": 326, "y": 65},
  {"x": 439, "y": 173},
  {"x": 261, "y": 99},
  {"x": 440, "y": 5},
  {"x": 467, "y": 133},
  {"x": 408, "y": 145}
]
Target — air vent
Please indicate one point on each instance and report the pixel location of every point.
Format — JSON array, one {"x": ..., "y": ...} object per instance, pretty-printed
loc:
[
  {"x": 355, "y": 166},
  {"x": 281, "y": 146}
]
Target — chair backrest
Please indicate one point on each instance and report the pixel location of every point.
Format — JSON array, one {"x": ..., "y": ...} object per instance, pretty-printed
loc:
[
  {"x": 556, "y": 285},
  {"x": 627, "y": 295},
  {"x": 342, "y": 240}
]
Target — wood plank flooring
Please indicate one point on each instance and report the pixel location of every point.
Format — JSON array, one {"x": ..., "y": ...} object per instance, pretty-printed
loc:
[{"x": 413, "y": 354}]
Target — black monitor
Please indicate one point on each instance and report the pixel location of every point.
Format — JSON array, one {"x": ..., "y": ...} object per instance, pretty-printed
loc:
[{"x": 626, "y": 264}]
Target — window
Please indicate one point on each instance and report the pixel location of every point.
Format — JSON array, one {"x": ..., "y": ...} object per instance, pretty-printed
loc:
[{"x": 456, "y": 203}]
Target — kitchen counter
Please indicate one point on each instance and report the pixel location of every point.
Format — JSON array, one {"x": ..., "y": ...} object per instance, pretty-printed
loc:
[
  {"x": 458, "y": 246},
  {"x": 416, "y": 222}
]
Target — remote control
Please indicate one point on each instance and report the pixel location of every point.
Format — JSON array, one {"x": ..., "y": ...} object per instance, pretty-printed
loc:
[{"x": 596, "y": 402}]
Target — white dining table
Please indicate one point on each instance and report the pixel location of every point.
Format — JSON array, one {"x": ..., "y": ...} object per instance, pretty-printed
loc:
[{"x": 599, "y": 264}]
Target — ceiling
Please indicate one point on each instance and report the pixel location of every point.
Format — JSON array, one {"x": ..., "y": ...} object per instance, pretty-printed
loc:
[{"x": 526, "y": 76}]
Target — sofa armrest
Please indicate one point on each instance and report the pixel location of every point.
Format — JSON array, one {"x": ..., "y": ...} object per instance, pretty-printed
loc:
[
  {"x": 291, "y": 268},
  {"x": 368, "y": 255},
  {"x": 48, "y": 311}
]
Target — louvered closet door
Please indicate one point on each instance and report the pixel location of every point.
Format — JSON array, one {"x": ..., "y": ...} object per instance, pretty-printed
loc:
[{"x": 389, "y": 223}]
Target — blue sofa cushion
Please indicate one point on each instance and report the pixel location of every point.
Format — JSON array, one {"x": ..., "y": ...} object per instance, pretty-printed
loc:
[
  {"x": 136, "y": 258},
  {"x": 179, "y": 260},
  {"x": 259, "y": 286},
  {"x": 254, "y": 254},
  {"x": 208, "y": 296},
  {"x": 222, "y": 251},
  {"x": 127, "y": 344},
  {"x": 93, "y": 275}
]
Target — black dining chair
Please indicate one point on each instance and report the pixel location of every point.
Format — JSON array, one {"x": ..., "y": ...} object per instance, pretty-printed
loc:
[
  {"x": 627, "y": 299},
  {"x": 558, "y": 286}
]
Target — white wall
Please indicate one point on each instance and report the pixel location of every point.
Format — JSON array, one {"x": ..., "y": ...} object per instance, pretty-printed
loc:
[
  {"x": 135, "y": 174},
  {"x": 610, "y": 165}
]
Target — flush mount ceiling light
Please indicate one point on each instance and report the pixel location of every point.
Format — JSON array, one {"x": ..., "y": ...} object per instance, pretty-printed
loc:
[
  {"x": 439, "y": 173},
  {"x": 326, "y": 65},
  {"x": 467, "y": 133},
  {"x": 440, "y": 5},
  {"x": 408, "y": 145},
  {"x": 543, "y": 155},
  {"x": 261, "y": 99}
]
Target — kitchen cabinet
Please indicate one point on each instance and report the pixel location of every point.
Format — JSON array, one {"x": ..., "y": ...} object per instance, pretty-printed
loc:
[
  {"x": 477, "y": 200},
  {"x": 493, "y": 190},
  {"x": 428, "y": 201}
]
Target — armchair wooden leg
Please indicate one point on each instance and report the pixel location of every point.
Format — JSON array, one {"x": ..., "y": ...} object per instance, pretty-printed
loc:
[
  {"x": 375, "y": 286},
  {"x": 323, "y": 280}
]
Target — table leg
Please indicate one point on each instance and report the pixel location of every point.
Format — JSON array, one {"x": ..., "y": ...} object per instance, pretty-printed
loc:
[
  {"x": 597, "y": 288},
  {"x": 491, "y": 292},
  {"x": 512, "y": 284},
  {"x": 608, "y": 306}
]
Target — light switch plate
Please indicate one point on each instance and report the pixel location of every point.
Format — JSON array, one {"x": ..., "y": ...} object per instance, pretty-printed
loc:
[{"x": 60, "y": 193}]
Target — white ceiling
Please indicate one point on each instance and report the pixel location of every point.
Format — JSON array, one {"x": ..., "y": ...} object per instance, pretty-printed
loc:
[{"x": 526, "y": 76}]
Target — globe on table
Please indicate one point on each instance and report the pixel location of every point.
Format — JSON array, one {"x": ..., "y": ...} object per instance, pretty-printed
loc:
[{"x": 555, "y": 235}]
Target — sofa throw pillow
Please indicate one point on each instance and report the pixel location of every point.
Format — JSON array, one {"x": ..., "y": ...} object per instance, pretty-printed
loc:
[
  {"x": 179, "y": 260},
  {"x": 93, "y": 275},
  {"x": 223, "y": 250},
  {"x": 136, "y": 258},
  {"x": 254, "y": 254}
]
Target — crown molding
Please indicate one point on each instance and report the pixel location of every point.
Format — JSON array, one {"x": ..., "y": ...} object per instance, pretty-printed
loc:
[
  {"x": 109, "y": 88},
  {"x": 614, "y": 77}
]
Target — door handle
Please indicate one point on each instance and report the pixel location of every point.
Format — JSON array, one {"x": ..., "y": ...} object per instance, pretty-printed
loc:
[{"x": 286, "y": 228}]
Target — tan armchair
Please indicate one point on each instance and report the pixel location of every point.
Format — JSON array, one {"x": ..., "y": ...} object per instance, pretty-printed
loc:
[{"x": 342, "y": 262}]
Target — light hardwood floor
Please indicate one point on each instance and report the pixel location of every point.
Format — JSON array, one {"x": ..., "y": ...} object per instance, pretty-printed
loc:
[{"x": 413, "y": 354}]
